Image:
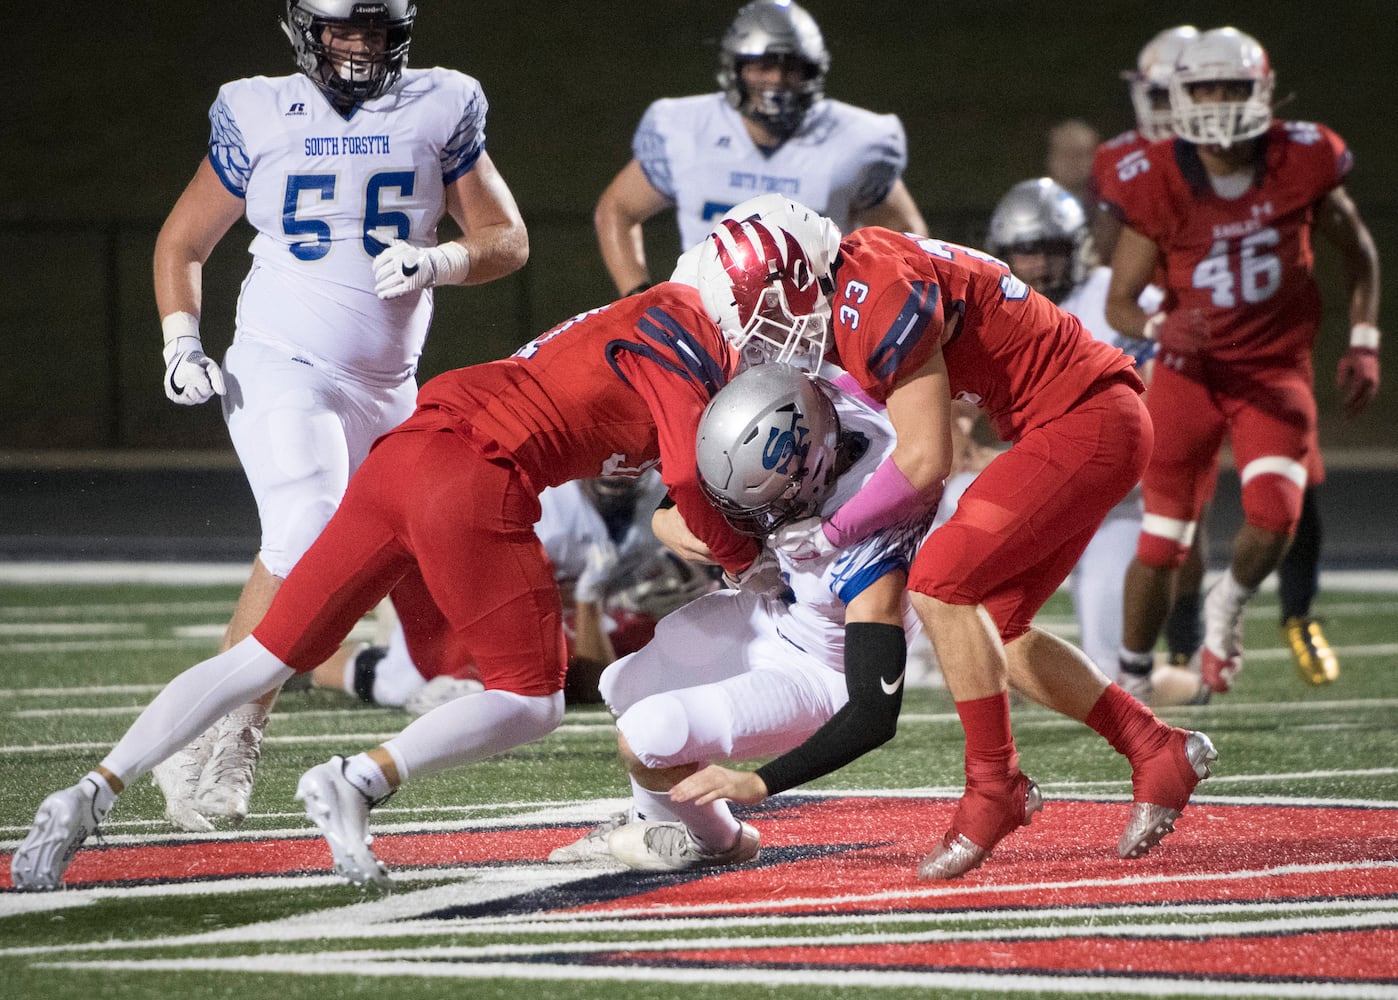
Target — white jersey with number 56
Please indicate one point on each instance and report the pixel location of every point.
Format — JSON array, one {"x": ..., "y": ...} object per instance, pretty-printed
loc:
[{"x": 327, "y": 193}]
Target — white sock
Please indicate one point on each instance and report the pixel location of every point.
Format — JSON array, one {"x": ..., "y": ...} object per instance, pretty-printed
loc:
[
  {"x": 1233, "y": 595},
  {"x": 472, "y": 728},
  {"x": 1129, "y": 658},
  {"x": 105, "y": 797},
  {"x": 191, "y": 702},
  {"x": 712, "y": 826},
  {"x": 367, "y": 776}
]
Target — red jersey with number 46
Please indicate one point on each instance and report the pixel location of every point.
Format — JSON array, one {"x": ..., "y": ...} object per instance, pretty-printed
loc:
[
  {"x": 1015, "y": 354},
  {"x": 1239, "y": 270}
]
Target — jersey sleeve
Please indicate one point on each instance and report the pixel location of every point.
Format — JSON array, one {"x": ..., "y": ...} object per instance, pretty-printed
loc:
[
  {"x": 1328, "y": 159},
  {"x": 467, "y": 142},
  {"x": 228, "y": 153},
  {"x": 886, "y": 160},
  {"x": 648, "y": 147},
  {"x": 898, "y": 327},
  {"x": 677, "y": 373},
  {"x": 887, "y": 550}
]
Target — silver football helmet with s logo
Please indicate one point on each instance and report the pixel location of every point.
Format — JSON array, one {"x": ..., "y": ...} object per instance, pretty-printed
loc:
[
  {"x": 350, "y": 79},
  {"x": 1041, "y": 216},
  {"x": 767, "y": 447},
  {"x": 765, "y": 274},
  {"x": 1222, "y": 57},
  {"x": 774, "y": 28}
]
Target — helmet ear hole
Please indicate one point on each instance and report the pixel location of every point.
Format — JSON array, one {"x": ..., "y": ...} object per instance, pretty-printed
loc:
[{"x": 766, "y": 448}]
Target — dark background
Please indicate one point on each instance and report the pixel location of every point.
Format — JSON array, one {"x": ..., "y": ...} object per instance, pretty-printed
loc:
[{"x": 107, "y": 119}]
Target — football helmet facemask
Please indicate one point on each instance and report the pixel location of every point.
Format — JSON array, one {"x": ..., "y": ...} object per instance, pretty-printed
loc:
[
  {"x": 1222, "y": 56},
  {"x": 1041, "y": 216},
  {"x": 767, "y": 447},
  {"x": 1150, "y": 81},
  {"x": 359, "y": 77},
  {"x": 765, "y": 276},
  {"x": 774, "y": 28}
]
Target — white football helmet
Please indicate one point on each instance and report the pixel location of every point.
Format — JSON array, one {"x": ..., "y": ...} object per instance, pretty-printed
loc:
[
  {"x": 1222, "y": 56},
  {"x": 1150, "y": 80},
  {"x": 358, "y": 78},
  {"x": 1041, "y": 216},
  {"x": 766, "y": 448},
  {"x": 777, "y": 28},
  {"x": 765, "y": 276}
]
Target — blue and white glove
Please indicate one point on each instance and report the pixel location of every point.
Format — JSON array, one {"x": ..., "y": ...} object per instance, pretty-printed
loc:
[
  {"x": 404, "y": 268},
  {"x": 191, "y": 376},
  {"x": 802, "y": 541}
]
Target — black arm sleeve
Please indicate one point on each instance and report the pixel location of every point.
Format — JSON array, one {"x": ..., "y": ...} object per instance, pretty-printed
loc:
[{"x": 875, "y": 659}]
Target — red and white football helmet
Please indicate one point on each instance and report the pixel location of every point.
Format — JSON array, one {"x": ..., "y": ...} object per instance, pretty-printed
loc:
[
  {"x": 1222, "y": 56},
  {"x": 764, "y": 274},
  {"x": 1150, "y": 81}
]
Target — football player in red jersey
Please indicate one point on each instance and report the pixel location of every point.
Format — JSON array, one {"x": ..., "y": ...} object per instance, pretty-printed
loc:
[
  {"x": 918, "y": 323},
  {"x": 1229, "y": 207},
  {"x": 441, "y": 514}
]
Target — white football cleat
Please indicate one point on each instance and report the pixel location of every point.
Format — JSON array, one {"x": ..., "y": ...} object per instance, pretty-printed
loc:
[
  {"x": 591, "y": 846},
  {"x": 668, "y": 847},
  {"x": 438, "y": 691},
  {"x": 225, "y": 787},
  {"x": 341, "y": 811},
  {"x": 64, "y": 820},
  {"x": 177, "y": 777}
]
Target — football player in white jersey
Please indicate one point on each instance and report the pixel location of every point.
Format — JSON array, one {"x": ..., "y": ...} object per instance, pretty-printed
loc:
[
  {"x": 769, "y": 129},
  {"x": 344, "y": 169},
  {"x": 1040, "y": 230},
  {"x": 753, "y": 671}
]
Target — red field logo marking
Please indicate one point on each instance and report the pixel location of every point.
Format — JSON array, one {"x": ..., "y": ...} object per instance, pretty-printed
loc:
[{"x": 859, "y": 855}]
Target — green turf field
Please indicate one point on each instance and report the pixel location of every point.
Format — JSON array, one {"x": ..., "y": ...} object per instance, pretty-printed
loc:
[{"x": 81, "y": 660}]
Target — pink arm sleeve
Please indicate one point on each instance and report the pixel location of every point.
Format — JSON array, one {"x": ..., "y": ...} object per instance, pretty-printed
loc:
[{"x": 886, "y": 498}]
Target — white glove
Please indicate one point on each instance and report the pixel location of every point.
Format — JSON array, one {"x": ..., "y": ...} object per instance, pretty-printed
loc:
[
  {"x": 591, "y": 584},
  {"x": 191, "y": 376},
  {"x": 802, "y": 541},
  {"x": 404, "y": 268}
]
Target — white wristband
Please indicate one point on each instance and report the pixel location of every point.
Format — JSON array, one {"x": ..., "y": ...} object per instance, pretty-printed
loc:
[
  {"x": 457, "y": 263},
  {"x": 1364, "y": 335},
  {"x": 177, "y": 325}
]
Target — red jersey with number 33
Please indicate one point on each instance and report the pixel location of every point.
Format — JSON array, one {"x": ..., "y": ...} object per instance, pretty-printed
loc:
[
  {"x": 1015, "y": 354},
  {"x": 1239, "y": 270}
]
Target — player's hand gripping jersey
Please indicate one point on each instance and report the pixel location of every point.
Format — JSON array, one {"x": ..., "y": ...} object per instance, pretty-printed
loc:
[
  {"x": 1239, "y": 271},
  {"x": 1013, "y": 353},
  {"x": 326, "y": 194}
]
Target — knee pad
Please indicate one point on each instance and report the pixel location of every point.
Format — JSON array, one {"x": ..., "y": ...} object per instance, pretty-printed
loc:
[
  {"x": 657, "y": 730},
  {"x": 1273, "y": 491},
  {"x": 1164, "y": 541}
]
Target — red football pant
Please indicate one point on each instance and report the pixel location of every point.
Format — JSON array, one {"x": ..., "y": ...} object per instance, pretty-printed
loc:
[
  {"x": 451, "y": 536},
  {"x": 1023, "y": 523}
]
